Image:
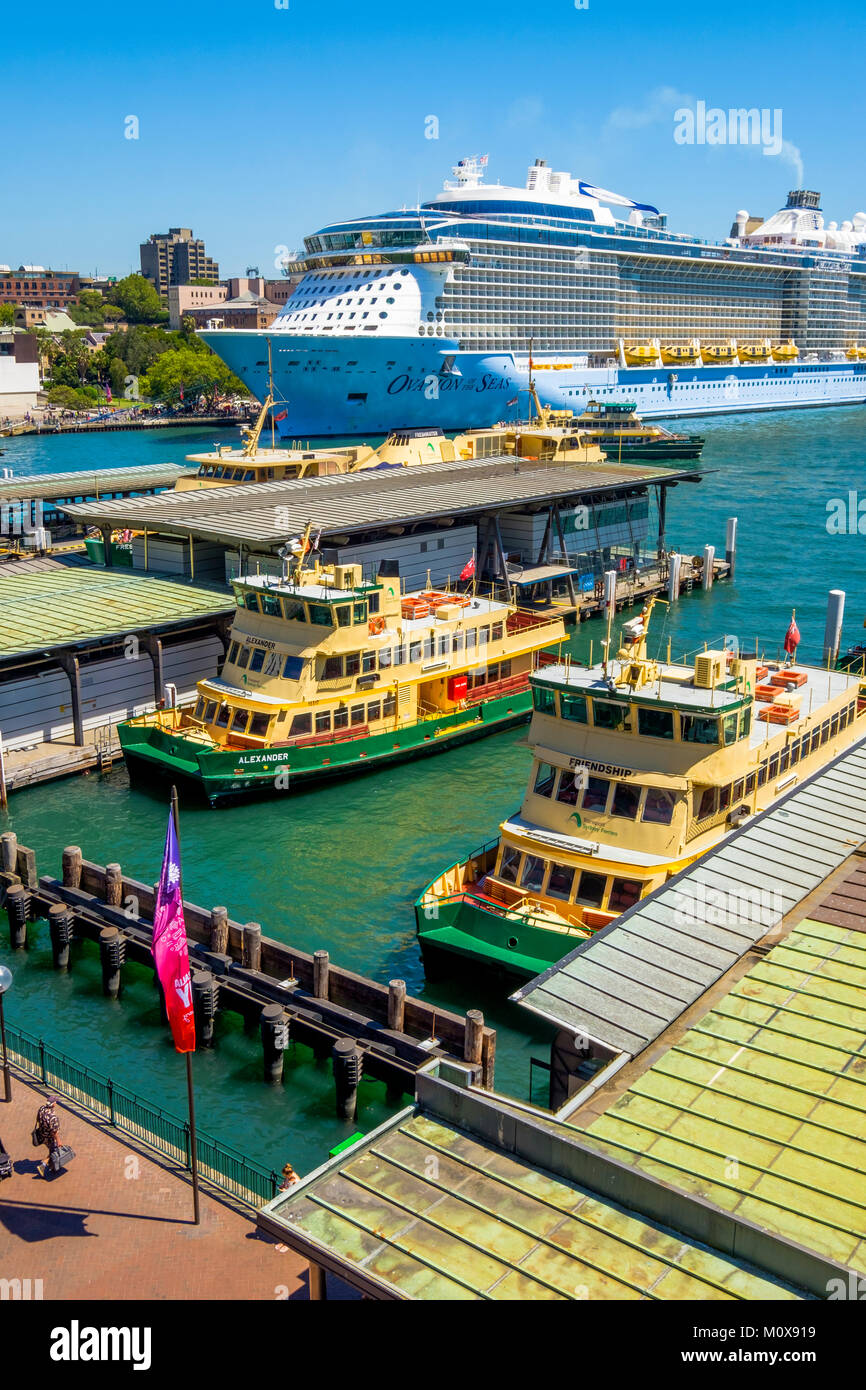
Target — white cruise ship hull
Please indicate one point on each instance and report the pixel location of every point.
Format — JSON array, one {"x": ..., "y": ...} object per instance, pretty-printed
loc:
[{"x": 347, "y": 388}]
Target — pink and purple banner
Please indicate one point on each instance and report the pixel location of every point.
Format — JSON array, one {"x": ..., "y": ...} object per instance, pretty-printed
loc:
[{"x": 170, "y": 949}]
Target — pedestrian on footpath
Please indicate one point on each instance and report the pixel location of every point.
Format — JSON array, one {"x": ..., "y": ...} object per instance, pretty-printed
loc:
[{"x": 47, "y": 1132}]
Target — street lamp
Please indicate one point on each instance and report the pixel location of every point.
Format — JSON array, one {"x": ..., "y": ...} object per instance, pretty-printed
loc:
[{"x": 5, "y": 983}]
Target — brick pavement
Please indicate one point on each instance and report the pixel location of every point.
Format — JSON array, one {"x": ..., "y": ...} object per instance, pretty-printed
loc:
[{"x": 118, "y": 1225}]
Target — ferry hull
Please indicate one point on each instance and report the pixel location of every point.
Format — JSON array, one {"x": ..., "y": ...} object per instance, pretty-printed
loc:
[
  {"x": 463, "y": 937},
  {"x": 350, "y": 387},
  {"x": 224, "y": 777}
]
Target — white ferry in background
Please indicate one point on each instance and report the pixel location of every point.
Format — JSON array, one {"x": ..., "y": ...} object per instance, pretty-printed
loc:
[{"x": 439, "y": 315}]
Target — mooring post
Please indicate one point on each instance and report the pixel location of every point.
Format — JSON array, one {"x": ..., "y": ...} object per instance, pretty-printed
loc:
[
  {"x": 347, "y": 1075},
  {"x": 275, "y": 1040},
  {"x": 675, "y": 562},
  {"x": 18, "y": 911},
  {"x": 731, "y": 546},
  {"x": 833, "y": 625},
  {"x": 112, "y": 953},
  {"x": 488, "y": 1053},
  {"x": 396, "y": 1005},
  {"x": 113, "y": 885},
  {"x": 321, "y": 967},
  {"x": 251, "y": 946},
  {"x": 71, "y": 871},
  {"x": 9, "y": 852},
  {"x": 473, "y": 1037},
  {"x": 707, "y": 567},
  {"x": 205, "y": 998},
  {"x": 60, "y": 930},
  {"x": 27, "y": 868},
  {"x": 219, "y": 930},
  {"x": 7, "y": 881}
]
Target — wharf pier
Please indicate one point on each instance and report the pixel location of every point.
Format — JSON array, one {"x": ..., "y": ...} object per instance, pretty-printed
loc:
[
  {"x": 34, "y": 502},
  {"x": 289, "y": 994},
  {"x": 139, "y": 423}
]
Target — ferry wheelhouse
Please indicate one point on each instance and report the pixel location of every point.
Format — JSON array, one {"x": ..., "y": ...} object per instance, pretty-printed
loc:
[
  {"x": 639, "y": 767},
  {"x": 616, "y": 427},
  {"x": 327, "y": 675}
]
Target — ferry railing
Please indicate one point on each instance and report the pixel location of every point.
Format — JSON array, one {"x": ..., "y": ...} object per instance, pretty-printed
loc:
[{"x": 131, "y": 1114}]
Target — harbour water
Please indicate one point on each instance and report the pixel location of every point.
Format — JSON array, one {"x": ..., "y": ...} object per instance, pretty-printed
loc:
[{"x": 339, "y": 867}]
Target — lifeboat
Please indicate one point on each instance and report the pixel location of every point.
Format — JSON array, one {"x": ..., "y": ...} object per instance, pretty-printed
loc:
[
  {"x": 676, "y": 353},
  {"x": 415, "y": 608},
  {"x": 755, "y": 352},
  {"x": 722, "y": 352},
  {"x": 785, "y": 352},
  {"x": 435, "y": 598},
  {"x": 853, "y": 353},
  {"x": 640, "y": 354}
]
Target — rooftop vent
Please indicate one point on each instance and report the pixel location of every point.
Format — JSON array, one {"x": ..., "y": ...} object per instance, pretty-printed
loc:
[{"x": 804, "y": 198}]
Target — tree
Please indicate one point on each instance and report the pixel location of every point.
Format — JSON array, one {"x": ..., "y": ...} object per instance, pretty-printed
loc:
[
  {"x": 138, "y": 299},
  {"x": 7, "y": 315},
  {"x": 89, "y": 308},
  {"x": 197, "y": 373},
  {"x": 117, "y": 374}
]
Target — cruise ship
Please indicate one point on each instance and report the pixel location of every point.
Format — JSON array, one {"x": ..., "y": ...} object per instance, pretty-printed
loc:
[{"x": 444, "y": 314}]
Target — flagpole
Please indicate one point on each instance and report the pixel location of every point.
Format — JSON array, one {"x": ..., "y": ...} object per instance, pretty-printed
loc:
[{"x": 189, "y": 1088}]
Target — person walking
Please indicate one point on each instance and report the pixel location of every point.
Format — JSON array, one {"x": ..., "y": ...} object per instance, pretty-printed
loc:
[{"x": 47, "y": 1132}]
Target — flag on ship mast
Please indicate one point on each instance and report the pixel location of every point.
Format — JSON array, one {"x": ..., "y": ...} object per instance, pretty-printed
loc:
[
  {"x": 468, "y": 570},
  {"x": 170, "y": 952},
  {"x": 792, "y": 636}
]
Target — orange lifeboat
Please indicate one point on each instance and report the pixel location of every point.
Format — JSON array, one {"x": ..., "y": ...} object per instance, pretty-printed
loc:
[{"x": 415, "y": 608}]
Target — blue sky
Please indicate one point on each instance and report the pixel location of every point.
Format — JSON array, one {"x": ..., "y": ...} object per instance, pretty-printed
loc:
[{"x": 258, "y": 124}]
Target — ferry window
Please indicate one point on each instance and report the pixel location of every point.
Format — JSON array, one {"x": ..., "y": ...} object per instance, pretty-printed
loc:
[
  {"x": 457, "y": 641},
  {"x": 484, "y": 636},
  {"x": 816, "y": 739},
  {"x": 762, "y": 774},
  {"x": 784, "y": 759},
  {"x": 544, "y": 779},
  {"x": 730, "y": 723},
  {"x": 532, "y": 876},
  {"x": 739, "y": 790},
  {"x": 210, "y": 711},
  {"x": 504, "y": 670},
  {"x": 624, "y": 893},
  {"x": 360, "y": 611},
  {"x": 341, "y": 718},
  {"x": 257, "y": 660},
  {"x": 825, "y": 730},
  {"x": 658, "y": 807},
  {"x": 496, "y": 632},
  {"x": 655, "y": 723},
  {"x": 374, "y": 711},
  {"x": 414, "y": 651},
  {"x": 243, "y": 659},
  {"x": 745, "y": 721},
  {"x": 259, "y": 724},
  {"x": 252, "y": 602},
  {"x": 292, "y": 668},
  {"x": 751, "y": 783},
  {"x": 270, "y": 605},
  {"x": 626, "y": 799},
  {"x": 357, "y": 715},
  {"x": 248, "y": 475},
  {"x": 573, "y": 707},
  {"x": 707, "y": 803},
  {"x": 368, "y": 662},
  {"x": 560, "y": 882},
  {"x": 590, "y": 891},
  {"x": 834, "y": 726},
  {"x": 543, "y": 699},
  {"x": 233, "y": 651},
  {"x": 222, "y": 718},
  {"x": 429, "y": 645},
  {"x": 333, "y": 668},
  {"x": 697, "y": 728},
  {"x": 606, "y": 715},
  {"x": 323, "y": 722},
  {"x": 293, "y": 611},
  {"x": 239, "y": 721},
  {"x": 595, "y": 794},
  {"x": 471, "y": 634},
  {"x": 389, "y": 706},
  {"x": 344, "y": 614},
  {"x": 320, "y": 614},
  {"x": 725, "y": 798},
  {"x": 569, "y": 788},
  {"x": 508, "y": 866},
  {"x": 384, "y": 657},
  {"x": 372, "y": 603},
  {"x": 353, "y": 663},
  {"x": 773, "y": 769},
  {"x": 199, "y": 709},
  {"x": 444, "y": 644}
]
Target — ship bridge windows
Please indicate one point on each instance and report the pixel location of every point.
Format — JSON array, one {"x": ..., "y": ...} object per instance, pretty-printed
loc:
[
  {"x": 570, "y": 784},
  {"x": 545, "y": 779},
  {"x": 292, "y": 668},
  {"x": 257, "y": 659},
  {"x": 607, "y": 715},
  {"x": 626, "y": 800},
  {"x": 270, "y": 605},
  {"x": 293, "y": 610},
  {"x": 624, "y": 893},
  {"x": 590, "y": 891},
  {"x": 243, "y": 658},
  {"x": 656, "y": 723},
  {"x": 259, "y": 725},
  {"x": 509, "y": 864},
  {"x": 699, "y": 728},
  {"x": 239, "y": 721},
  {"x": 560, "y": 882},
  {"x": 543, "y": 698},
  {"x": 574, "y": 708},
  {"x": 532, "y": 876},
  {"x": 658, "y": 807},
  {"x": 223, "y": 715},
  {"x": 595, "y": 794},
  {"x": 343, "y": 613},
  {"x": 321, "y": 614}
]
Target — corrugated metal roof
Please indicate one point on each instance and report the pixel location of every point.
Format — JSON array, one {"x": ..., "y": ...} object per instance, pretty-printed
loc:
[
  {"x": 427, "y": 1212},
  {"x": 627, "y": 984},
  {"x": 40, "y": 609},
  {"x": 761, "y": 1107},
  {"x": 91, "y": 484},
  {"x": 265, "y": 513}
]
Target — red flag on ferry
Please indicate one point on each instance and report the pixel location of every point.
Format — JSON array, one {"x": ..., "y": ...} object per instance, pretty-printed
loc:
[
  {"x": 282, "y": 415},
  {"x": 468, "y": 570},
  {"x": 170, "y": 953},
  {"x": 792, "y": 637}
]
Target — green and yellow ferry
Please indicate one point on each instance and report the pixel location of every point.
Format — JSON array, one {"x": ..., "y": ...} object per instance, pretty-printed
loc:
[
  {"x": 327, "y": 676},
  {"x": 640, "y": 767}
]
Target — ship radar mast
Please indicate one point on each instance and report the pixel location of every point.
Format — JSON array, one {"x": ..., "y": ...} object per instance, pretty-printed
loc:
[{"x": 468, "y": 172}]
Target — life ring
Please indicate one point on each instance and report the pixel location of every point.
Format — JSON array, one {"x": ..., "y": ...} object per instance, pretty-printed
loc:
[{"x": 376, "y": 625}]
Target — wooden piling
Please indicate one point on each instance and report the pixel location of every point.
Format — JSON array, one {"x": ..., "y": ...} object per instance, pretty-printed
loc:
[
  {"x": 113, "y": 885},
  {"x": 397, "y": 1005},
  {"x": 251, "y": 946},
  {"x": 9, "y": 852},
  {"x": 18, "y": 911},
  {"x": 111, "y": 957},
  {"x": 321, "y": 970},
  {"x": 72, "y": 867},
  {"x": 219, "y": 930},
  {"x": 60, "y": 929},
  {"x": 26, "y": 861},
  {"x": 275, "y": 1036},
  {"x": 7, "y": 880},
  {"x": 474, "y": 1037}
]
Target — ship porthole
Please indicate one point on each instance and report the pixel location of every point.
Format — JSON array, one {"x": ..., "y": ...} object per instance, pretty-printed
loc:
[{"x": 511, "y": 943}]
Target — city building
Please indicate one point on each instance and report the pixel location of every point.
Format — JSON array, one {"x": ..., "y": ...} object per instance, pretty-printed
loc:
[
  {"x": 246, "y": 310},
  {"x": 183, "y": 298},
  {"x": 176, "y": 257},
  {"x": 19, "y": 373},
  {"x": 38, "y": 288}
]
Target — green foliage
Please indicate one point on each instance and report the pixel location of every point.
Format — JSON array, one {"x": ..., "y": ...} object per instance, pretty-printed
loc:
[
  {"x": 89, "y": 308},
  {"x": 138, "y": 300},
  {"x": 117, "y": 374},
  {"x": 7, "y": 315},
  {"x": 73, "y": 398},
  {"x": 200, "y": 374}
]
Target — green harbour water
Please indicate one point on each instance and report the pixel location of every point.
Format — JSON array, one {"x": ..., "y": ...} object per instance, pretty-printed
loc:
[{"x": 339, "y": 867}]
